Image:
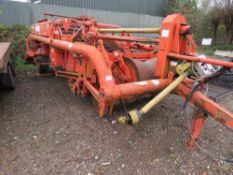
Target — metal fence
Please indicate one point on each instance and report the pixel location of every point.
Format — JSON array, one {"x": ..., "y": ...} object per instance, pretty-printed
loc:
[
  {"x": 27, "y": 13},
  {"x": 149, "y": 7}
]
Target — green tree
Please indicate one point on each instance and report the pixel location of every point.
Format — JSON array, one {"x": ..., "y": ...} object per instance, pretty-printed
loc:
[
  {"x": 188, "y": 8},
  {"x": 215, "y": 16},
  {"x": 185, "y": 7},
  {"x": 228, "y": 19}
]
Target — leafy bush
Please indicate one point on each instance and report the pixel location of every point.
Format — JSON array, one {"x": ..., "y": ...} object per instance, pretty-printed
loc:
[
  {"x": 20, "y": 65},
  {"x": 16, "y": 34}
]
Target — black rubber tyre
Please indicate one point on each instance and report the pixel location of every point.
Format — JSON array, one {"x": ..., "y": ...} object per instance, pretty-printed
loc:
[
  {"x": 43, "y": 65},
  {"x": 43, "y": 69},
  {"x": 8, "y": 79}
]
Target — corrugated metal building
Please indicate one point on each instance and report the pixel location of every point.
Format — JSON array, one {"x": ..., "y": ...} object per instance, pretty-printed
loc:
[
  {"x": 148, "y": 7},
  {"x": 28, "y": 13}
]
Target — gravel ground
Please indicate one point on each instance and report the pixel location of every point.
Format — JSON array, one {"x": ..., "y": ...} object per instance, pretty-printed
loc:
[{"x": 45, "y": 129}]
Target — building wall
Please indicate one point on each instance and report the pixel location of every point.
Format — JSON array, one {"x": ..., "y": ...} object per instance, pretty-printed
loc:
[
  {"x": 27, "y": 13},
  {"x": 149, "y": 7}
]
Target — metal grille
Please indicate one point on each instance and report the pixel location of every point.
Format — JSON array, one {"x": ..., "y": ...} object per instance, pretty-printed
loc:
[{"x": 217, "y": 92}]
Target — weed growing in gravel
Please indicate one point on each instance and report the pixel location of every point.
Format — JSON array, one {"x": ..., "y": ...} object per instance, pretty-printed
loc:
[{"x": 223, "y": 168}]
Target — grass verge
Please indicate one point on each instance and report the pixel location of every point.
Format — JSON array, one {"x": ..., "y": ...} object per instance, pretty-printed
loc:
[
  {"x": 21, "y": 66},
  {"x": 209, "y": 50}
]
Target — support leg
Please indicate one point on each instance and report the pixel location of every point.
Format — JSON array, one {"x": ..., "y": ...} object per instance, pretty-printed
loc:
[
  {"x": 103, "y": 109},
  {"x": 197, "y": 125}
]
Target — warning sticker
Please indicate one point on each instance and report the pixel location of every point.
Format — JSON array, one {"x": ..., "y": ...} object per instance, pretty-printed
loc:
[
  {"x": 155, "y": 82},
  {"x": 165, "y": 33},
  {"x": 141, "y": 83},
  {"x": 174, "y": 63},
  {"x": 108, "y": 78},
  {"x": 70, "y": 45},
  {"x": 37, "y": 28}
]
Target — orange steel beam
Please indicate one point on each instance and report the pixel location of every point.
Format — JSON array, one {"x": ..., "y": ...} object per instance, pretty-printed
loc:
[
  {"x": 103, "y": 25},
  {"x": 68, "y": 73},
  {"x": 141, "y": 87},
  {"x": 92, "y": 89},
  {"x": 209, "y": 106},
  {"x": 197, "y": 125},
  {"x": 203, "y": 60},
  {"x": 168, "y": 42},
  {"x": 106, "y": 79}
]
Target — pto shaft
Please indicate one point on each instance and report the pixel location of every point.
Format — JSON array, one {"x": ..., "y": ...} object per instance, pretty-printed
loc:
[
  {"x": 135, "y": 116},
  {"x": 163, "y": 94}
]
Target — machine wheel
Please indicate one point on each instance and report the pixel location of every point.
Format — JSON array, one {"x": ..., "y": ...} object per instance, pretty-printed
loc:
[
  {"x": 8, "y": 79},
  {"x": 43, "y": 64},
  {"x": 43, "y": 69}
]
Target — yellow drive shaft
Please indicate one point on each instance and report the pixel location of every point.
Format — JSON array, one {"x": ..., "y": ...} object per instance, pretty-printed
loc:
[
  {"x": 130, "y": 30},
  {"x": 135, "y": 115}
]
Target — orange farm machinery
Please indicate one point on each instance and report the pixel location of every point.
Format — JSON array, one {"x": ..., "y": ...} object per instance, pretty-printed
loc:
[{"x": 112, "y": 64}]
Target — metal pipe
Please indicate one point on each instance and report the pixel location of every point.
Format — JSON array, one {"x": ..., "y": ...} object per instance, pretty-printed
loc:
[
  {"x": 130, "y": 30},
  {"x": 68, "y": 73},
  {"x": 142, "y": 87},
  {"x": 106, "y": 79},
  {"x": 125, "y": 38},
  {"x": 104, "y": 25},
  {"x": 203, "y": 60}
]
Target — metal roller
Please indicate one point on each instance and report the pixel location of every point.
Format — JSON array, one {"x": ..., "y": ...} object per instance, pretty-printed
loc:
[{"x": 143, "y": 69}]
